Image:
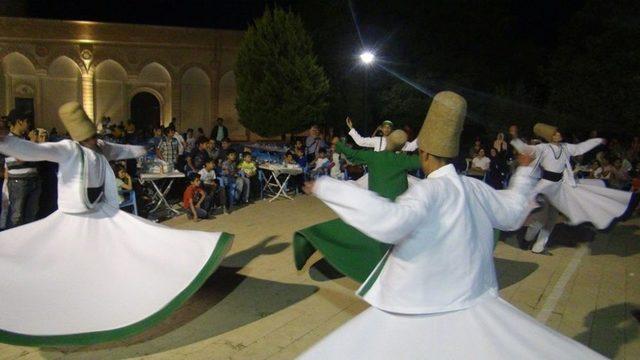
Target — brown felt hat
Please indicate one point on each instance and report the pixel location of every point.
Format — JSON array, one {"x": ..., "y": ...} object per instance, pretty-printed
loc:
[
  {"x": 78, "y": 124},
  {"x": 440, "y": 133},
  {"x": 396, "y": 140},
  {"x": 545, "y": 131}
]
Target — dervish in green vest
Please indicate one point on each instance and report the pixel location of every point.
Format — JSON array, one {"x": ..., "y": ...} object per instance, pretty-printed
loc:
[{"x": 346, "y": 249}]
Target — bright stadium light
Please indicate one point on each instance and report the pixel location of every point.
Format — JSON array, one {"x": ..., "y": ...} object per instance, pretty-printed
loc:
[{"x": 367, "y": 57}]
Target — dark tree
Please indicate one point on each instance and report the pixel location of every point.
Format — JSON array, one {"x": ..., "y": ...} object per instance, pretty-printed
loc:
[
  {"x": 594, "y": 77},
  {"x": 281, "y": 87}
]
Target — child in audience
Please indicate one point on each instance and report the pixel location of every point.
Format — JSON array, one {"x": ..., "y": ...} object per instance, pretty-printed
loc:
[
  {"x": 248, "y": 173},
  {"x": 320, "y": 164},
  {"x": 298, "y": 155},
  {"x": 235, "y": 184},
  {"x": 211, "y": 185},
  {"x": 193, "y": 199},
  {"x": 123, "y": 181},
  {"x": 296, "y": 180}
]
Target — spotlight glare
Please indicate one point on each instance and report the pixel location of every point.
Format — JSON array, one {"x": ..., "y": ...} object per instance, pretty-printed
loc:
[{"x": 367, "y": 57}]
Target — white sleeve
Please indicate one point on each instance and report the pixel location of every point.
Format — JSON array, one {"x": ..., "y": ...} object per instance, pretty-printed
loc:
[
  {"x": 522, "y": 147},
  {"x": 367, "y": 142},
  {"x": 30, "y": 151},
  {"x": 120, "y": 152},
  {"x": 583, "y": 147},
  {"x": 375, "y": 216},
  {"x": 508, "y": 208},
  {"x": 411, "y": 146}
]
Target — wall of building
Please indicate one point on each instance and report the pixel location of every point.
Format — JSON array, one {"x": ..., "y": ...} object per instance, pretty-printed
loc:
[{"x": 103, "y": 66}]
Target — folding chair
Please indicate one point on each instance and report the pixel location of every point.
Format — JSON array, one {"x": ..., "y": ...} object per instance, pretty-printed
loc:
[{"x": 129, "y": 200}]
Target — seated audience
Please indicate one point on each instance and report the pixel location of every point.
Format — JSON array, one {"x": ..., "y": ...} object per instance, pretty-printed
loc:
[
  {"x": 319, "y": 165},
  {"x": 234, "y": 182},
  {"x": 248, "y": 171},
  {"x": 193, "y": 199},
  {"x": 214, "y": 189},
  {"x": 123, "y": 181},
  {"x": 197, "y": 157},
  {"x": 479, "y": 165}
]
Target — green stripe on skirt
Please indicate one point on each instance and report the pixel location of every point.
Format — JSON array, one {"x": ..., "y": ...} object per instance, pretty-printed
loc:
[{"x": 349, "y": 251}]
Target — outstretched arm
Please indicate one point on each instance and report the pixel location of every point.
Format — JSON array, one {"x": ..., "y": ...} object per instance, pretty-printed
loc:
[
  {"x": 354, "y": 156},
  {"x": 583, "y": 147},
  {"x": 522, "y": 147},
  {"x": 120, "y": 152},
  {"x": 411, "y": 146},
  {"x": 368, "y": 142},
  {"x": 30, "y": 151},
  {"x": 378, "y": 217},
  {"x": 508, "y": 208}
]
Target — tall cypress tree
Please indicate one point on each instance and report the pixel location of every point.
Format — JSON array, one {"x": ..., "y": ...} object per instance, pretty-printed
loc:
[{"x": 281, "y": 87}]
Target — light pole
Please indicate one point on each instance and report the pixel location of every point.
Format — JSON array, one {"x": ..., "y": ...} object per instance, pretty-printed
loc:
[{"x": 367, "y": 58}]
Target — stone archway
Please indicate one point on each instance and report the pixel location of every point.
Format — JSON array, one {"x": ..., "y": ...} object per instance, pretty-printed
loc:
[{"x": 146, "y": 111}]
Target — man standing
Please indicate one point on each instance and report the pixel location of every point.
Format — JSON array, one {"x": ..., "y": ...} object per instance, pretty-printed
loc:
[
  {"x": 23, "y": 180},
  {"x": 378, "y": 143},
  {"x": 168, "y": 147},
  {"x": 219, "y": 131},
  {"x": 313, "y": 143},
  {"x": 153, "y": 143}
]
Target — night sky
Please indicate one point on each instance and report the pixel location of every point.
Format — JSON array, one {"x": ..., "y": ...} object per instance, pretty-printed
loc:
[
  {"x": 223, "y": 14},
  {"x": 514, "y": 60}
]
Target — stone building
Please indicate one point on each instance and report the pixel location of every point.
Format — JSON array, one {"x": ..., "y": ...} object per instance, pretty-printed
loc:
[{"x": 149, "y": 74}]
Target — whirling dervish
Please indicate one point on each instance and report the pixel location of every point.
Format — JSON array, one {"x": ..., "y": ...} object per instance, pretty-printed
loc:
[
  {"x": 89, "y": 272},
  {"x": 435, "y": 294},
  {"x": 579, "y": 202}
]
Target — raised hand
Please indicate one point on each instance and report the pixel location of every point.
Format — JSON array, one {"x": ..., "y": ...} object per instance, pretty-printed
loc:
[{"x": 349, "y": 123}]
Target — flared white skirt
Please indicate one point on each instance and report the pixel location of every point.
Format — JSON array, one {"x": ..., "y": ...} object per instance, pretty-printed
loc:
[
  {"x": 492, "y": 329},
  {"x": 588, "y": 202},
  {"x": 75, "y": 279}
]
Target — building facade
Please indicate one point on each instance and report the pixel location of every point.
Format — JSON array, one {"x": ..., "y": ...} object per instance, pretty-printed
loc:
[{"x": 149, "y": 74}]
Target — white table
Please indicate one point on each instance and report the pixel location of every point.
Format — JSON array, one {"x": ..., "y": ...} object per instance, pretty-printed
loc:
[
  {"x": 159, "y": 198},
  {"x": 273, "y": 184}
]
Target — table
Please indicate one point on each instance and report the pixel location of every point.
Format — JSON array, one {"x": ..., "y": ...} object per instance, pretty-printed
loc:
[
  {"x": 273, "y": 183},
  {"x": 159, "y": 199},
  {"x": 269, "y": 148}
]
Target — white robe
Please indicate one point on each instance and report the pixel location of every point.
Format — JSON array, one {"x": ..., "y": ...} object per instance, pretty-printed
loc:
[
  {"x": 582, "y": 202},
  {"x": 82, "y": 276},
  {"x": 379, "y": 143},
  {"x": 435, "y": 295}
]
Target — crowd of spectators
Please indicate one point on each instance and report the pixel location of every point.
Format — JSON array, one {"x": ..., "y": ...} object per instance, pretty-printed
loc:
[
  {"x": 221, "y": 175},
  {"x": 617, "y": 163}
]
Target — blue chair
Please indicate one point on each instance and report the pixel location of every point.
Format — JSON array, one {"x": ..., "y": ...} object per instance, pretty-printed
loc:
[{"x": 129, "y": 200}]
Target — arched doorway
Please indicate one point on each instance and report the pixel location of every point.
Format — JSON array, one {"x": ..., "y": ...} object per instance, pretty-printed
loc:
[{"x": 145, "y": 111}]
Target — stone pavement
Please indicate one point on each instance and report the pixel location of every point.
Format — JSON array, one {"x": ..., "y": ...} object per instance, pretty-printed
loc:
[{"x": 257, "y": 306}]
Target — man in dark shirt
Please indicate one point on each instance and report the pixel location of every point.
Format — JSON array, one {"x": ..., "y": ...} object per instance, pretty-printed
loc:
[
  {"x": 225, "y": 148},
  {"x": 313, "y": 143},
  {"x": 23, "y": 179},
  {"x": 219, "y": 132},
  {"x": 198, "y": 156}
]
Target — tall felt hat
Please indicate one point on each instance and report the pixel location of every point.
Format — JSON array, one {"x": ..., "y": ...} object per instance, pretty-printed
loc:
[
  {"x": 545, "y": 131},
  {"x": 440, "y": 133},
  {"x": 78, "y": 124},
  {"x": 396, "y": 140}
]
